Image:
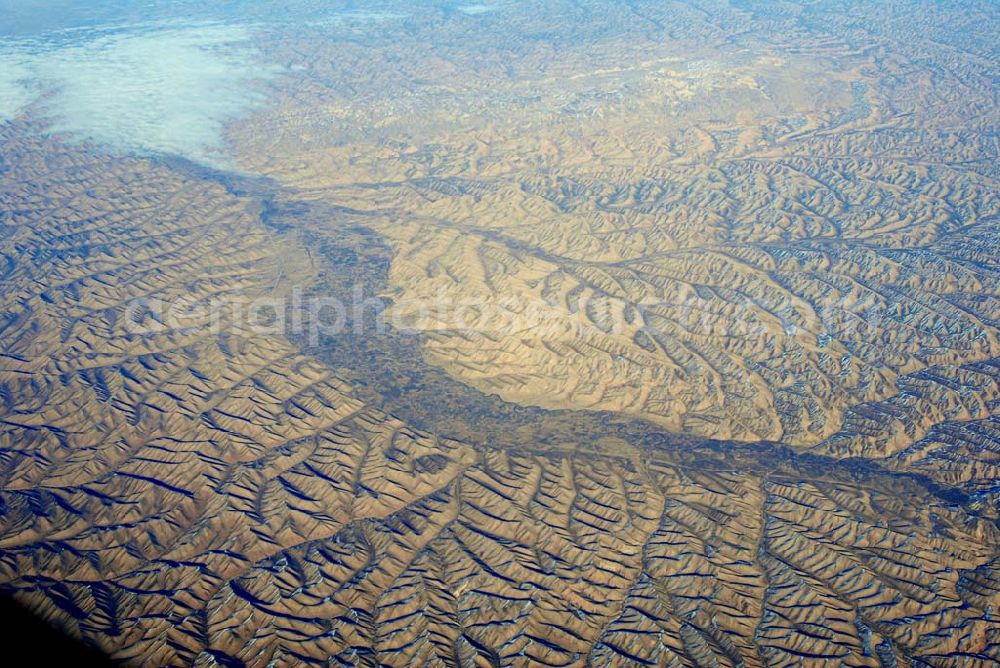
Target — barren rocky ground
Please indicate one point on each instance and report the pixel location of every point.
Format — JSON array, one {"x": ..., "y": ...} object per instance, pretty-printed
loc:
[{"x": 680, "y": 347}]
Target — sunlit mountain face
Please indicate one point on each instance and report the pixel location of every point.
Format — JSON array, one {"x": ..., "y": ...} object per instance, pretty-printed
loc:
[{"x": 504, "y": 333}]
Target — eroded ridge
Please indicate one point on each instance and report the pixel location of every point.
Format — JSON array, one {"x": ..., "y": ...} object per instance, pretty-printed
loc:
[
  {"x": 738, "y": 221},
  {"x": 180, "y": 494}
]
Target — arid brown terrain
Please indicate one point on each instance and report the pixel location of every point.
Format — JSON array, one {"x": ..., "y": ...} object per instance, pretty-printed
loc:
[{"x": 680, "y": 346}]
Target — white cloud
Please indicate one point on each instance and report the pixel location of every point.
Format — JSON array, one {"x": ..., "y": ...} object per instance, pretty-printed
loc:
[
  {"x": 477, "y": 9},
  {"x": 151, "y": 88}
]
